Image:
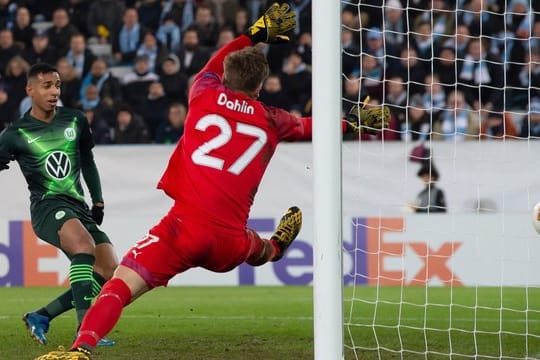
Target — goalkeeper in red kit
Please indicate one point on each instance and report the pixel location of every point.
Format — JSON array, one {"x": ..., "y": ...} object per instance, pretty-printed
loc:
[{"x": 213, "y": 175}]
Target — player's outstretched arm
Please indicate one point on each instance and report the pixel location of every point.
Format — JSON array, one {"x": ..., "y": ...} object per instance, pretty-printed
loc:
[
  {"x": 370, "y": 121},
  {"x": 271, "y": 28}
]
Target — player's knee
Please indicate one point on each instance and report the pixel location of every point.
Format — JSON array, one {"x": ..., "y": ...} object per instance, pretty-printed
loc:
[
  {"x": 106, "y": 271},
  {"x": 116, "y": 288},
  {"x": 105, "y": 265}
]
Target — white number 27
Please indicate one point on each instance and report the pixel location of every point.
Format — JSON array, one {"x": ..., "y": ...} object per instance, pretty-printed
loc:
[{"x": 201, "y": 155}]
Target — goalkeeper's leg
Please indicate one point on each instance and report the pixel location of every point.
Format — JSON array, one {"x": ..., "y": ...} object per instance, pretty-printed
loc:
[
  {"x": 105, "y": 313},
  {"x": 263, "y": 250}
]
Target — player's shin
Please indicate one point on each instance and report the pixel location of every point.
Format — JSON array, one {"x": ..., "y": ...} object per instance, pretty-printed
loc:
[{"x": 104, "y": 314}]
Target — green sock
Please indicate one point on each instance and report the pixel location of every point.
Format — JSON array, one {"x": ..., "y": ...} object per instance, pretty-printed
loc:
[
  {"x": 64, "y": 302},
  {"x": 81, "y": 279},
  {"x": 58, "y": 306},
  {"x": 97, "y": 283}
]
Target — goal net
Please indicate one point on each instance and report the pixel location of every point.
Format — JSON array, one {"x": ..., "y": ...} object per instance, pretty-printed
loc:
[{"x": 440, "y": 256}]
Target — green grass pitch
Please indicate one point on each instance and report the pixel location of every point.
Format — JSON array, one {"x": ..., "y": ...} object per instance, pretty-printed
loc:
[{"x": 267, "y": 323}]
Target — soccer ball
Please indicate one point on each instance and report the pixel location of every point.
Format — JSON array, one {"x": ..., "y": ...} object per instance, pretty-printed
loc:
[{"x": 536, "y": 217}]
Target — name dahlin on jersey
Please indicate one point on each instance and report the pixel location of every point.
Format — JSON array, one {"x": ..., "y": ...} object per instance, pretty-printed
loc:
[{"x": 236, "y": 105}]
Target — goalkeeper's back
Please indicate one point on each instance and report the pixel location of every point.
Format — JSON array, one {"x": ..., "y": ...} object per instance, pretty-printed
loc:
[{"x": 229, "y": 139}]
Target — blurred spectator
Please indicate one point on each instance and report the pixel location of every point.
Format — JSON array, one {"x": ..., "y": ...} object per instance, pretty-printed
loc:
[
  {"x": 226, "y": 35},
  {"x": 371, "y": 13},
  {"x": 529, "y": 80},
  {"x": 206, "y": 26},
  {"x": 372, "y": 76},
  {"x": 101, "y": 132},
  {"x": 182, "y": 11},
  {"x": 45, "y": 9},
  {"x": 433, "y": 97},
  {"x": 153, "y": 50},
  {"x": 459, "y": 41},
  {"x": 169, "y": 35},
  {"x": 103, "y": 110},
  {"x": 71, "y": 84},
  {"x": 479, "y": 17},
  {"x": 22, "y": 29},
  {"x": 417, "y": 125},
  {"x": 61, "y": 32},
  {"x": 443, "y": 19},
  {"x": 149, "y": 14},
  {"x": 154, "y": 107},
  {"x": 8, "y": 109},
  {"x": 130, "y": 128},
  {"x": 446, "y": 67},
  {"x": 350, "y": 20},
  {"x": 135, "y": 83},
  {"x": 422, "y": 41},
  {"x": 273, "y": 94},
  {"x": 16, "y": 78},
  {"x": 103, "y": 107},
  {"x": 241, "y": 21},
  {"x": 304, "y": 47},
  {"x": 535, "y": 39},
  {"x": 170, "y": 131},
  {"x": 395, "y": 25},
  {"x": 481, "y": 76},
  {"x": 192, "y": 56},
  {"x": 7, "y": 49},
  {"x": 297, "y": 80},
  {"x": 126, "y": 42},
  {"x": 458, "y": 122},
  {"x": 105, "y": 19},
  {"x": 174, "y": 82},
  {"x": 7, "y": 13},
  {"x": 512, "y": 41},
  {"x": 109, "y": 87},
  {"x": 78, "y": 13},
  {"x": 90, "y": 99},
  {"x": 411, "y": 70},
  {"x": 396, "y": 98},
  {"x": 79, "y": 55},
  {"x": 351, "y": 93},
  {"x": 383, "y": 52},
  {"x": 40, "y": 51},
  {"x": 530, "y": 125},
  {"x": 431, "y": 199},
  {"x": 302, "y": 8},
  {"x": 228, "y": 10},
  {"x": 350, "y": 52},
  {"x": 497, "y": 125}
]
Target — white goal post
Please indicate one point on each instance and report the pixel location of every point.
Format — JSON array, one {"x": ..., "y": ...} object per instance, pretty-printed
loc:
[{"x": 327, "y": 274}]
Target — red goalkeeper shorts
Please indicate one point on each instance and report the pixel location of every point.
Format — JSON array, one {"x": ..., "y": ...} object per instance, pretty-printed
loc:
[{"x": 178, "y": 243}]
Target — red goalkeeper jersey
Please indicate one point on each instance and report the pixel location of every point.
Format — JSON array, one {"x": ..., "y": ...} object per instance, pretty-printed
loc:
[{"x": 229, "y": 139}]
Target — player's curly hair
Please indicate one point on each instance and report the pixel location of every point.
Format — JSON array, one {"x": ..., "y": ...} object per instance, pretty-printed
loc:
[{"x": 245, "y": 70}]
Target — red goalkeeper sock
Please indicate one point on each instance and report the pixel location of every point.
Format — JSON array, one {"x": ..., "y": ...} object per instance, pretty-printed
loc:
[{"x": 104, "y": 314}]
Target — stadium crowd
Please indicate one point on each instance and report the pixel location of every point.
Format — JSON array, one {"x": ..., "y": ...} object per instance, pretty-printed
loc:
[{"x": 450, "y": 70}]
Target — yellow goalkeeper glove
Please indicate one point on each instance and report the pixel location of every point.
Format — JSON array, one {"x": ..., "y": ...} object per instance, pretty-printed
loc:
[
  {"x": 370, "y": 121},
  {"x": 272, "y": 26}
]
